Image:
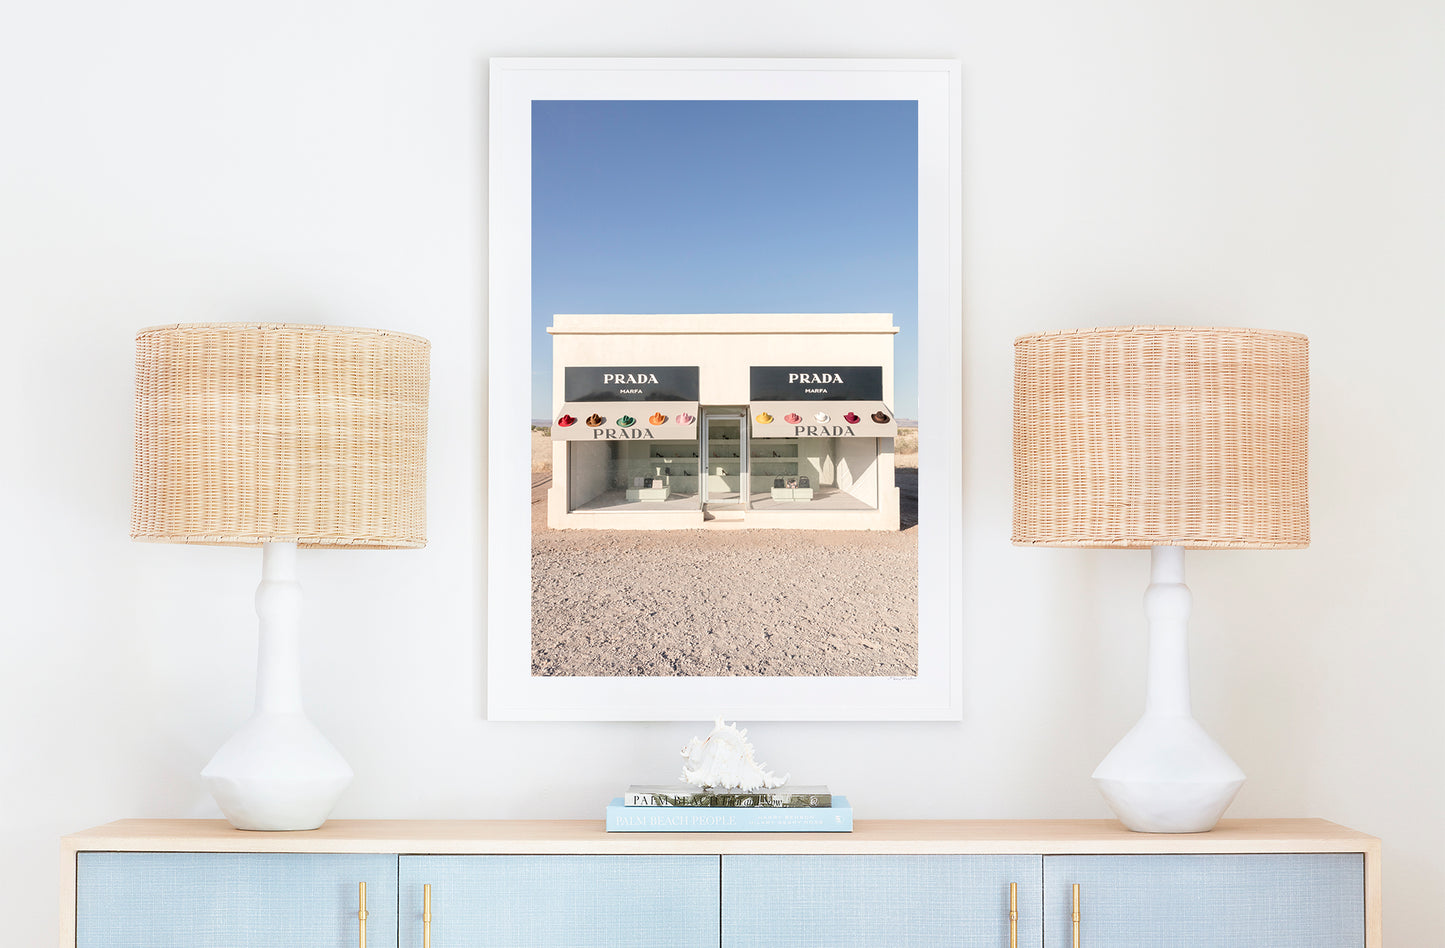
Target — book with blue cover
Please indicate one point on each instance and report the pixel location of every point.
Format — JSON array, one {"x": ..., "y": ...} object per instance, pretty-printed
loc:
[{"x": 837, "y": 818}]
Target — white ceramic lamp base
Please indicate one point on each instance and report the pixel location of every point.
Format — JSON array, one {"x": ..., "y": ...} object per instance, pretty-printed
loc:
[
  {"x": 1167, "y": 775},
  {"x": 278, "y": 772}
]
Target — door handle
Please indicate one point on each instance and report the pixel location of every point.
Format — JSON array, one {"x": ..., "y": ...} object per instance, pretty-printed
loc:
[
  {"x": 426, "y": 916},
  {"x": 361, "y": 912},
  {"x": 1076, "y": 915},
  {"x": 1013, "y": 915}
]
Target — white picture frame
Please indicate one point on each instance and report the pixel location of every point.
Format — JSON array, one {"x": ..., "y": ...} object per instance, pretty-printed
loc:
[{"x": 513, "y": 693}]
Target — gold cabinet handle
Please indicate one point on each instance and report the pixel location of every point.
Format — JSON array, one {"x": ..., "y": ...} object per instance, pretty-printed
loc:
[
  {"x": 361, "y": 912},
  {"x": 426, "y": 916},
  {"x": 1076, "y": 915},
  {"x": 1013, "y": 915}
]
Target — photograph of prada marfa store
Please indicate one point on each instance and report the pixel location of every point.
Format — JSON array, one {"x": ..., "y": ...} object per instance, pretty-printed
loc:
[{"x": 778, "y": 421}]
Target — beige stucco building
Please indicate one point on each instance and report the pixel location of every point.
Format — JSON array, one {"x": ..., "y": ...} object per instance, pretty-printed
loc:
[{"x": 755, "y": 420}]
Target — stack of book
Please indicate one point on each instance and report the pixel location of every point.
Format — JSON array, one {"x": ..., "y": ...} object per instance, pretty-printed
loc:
[{"x": 683, "y": 809}]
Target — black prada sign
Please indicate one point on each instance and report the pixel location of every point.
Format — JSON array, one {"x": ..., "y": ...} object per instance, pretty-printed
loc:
[
  {"x": 817, "y": 383},
  {"x": 630, "y": 383}
]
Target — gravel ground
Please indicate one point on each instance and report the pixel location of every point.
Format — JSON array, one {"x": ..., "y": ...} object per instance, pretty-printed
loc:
[{"x": 725, "y": 602}]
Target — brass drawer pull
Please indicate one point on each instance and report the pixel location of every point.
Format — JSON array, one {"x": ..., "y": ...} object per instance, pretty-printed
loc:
[
  {"x": 1013, "y": 915},
  {"x": 1076, "y": 915},
  {"x": 426, "y": 916},
  {"x": 361, "y": 912}
]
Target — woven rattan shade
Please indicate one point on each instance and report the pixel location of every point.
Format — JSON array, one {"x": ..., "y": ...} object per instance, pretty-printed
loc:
[
  {"x": 1151, "y": 435},
  {"x": 253, "y": 432}
]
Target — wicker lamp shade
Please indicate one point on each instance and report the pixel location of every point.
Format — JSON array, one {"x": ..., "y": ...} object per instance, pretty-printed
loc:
[
  {"x": 1161, "y": 436},
  {"x": 248, "y": 433}
]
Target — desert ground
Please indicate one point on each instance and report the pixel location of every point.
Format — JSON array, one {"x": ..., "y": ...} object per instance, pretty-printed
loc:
[{"x": 725, "y": 602}]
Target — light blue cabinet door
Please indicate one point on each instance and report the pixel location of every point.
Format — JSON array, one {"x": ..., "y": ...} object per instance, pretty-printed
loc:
[
  {"x": 562, "y": 901},
  {"x": 1307, "y": 900},
  {"x": 232, "y": 900},
  {"x": 879, "y": 901}
]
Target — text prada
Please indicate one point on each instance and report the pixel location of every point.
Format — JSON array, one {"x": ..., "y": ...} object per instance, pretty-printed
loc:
[
  {"x": 629, "y": 378},
  {"x": 823, "y": 431},
  {"x": 815, "y": 378}
]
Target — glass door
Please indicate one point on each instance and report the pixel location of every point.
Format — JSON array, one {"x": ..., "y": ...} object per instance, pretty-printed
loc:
[{"x": 725, "y": 459}]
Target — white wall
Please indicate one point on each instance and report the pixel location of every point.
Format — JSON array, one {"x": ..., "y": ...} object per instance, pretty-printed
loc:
[
  {"x": 815, "y": 460},
  {"x": 858, "y": 466},
  {"x": 1211, "y": 161},
  {"x": 587, "y": 471}
]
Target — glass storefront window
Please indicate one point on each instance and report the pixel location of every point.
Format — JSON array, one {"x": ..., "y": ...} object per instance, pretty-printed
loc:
[
  {"x": 796, "y": 474},
  {"x": 632, "y": 475},
  {"x": 814, "y": 473}
]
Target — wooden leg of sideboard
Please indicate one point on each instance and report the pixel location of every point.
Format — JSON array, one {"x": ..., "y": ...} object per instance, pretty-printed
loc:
[
  {"x": 1374, "y": 905},
  {"x": 67, "y": 896}
]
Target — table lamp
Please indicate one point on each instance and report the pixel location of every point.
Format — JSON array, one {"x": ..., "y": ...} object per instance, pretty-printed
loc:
[
  {"x": 1168, "y": 438},
  {"x": 279, "y": 436}
]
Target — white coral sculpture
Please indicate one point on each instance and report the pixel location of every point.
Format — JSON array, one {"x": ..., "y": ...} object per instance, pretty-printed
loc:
[{"x": 724, "y": 761}]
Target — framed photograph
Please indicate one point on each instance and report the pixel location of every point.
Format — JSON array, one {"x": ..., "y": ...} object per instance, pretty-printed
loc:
[{"x": 725, "y": 355}]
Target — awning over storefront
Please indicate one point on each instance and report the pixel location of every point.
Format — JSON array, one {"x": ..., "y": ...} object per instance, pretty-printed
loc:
[
  {"x": 819, "y": 401},
  {"x": 625, "y": 421},
  {"x": 627, "y": 403},
  {"x": 822, "y": 419}
]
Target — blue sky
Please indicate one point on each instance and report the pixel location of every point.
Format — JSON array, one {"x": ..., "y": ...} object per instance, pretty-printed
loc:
[{"x": 750, "y": 206}]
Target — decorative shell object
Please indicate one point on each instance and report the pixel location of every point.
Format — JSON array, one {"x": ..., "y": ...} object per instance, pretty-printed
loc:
[{"x": 724, "y": 761}]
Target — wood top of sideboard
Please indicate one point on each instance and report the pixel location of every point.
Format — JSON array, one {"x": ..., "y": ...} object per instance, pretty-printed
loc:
[{"x": 969, "y": 837}]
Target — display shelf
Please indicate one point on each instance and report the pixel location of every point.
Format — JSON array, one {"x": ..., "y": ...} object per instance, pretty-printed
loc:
[
  {"x": 782, "y": 461},
  {"x": 788, "y": 455},
  {"x": 680, "y": 481}
]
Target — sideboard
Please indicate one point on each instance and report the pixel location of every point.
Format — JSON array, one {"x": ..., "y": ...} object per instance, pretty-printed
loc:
[{"x": 1299, "y": 883}]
